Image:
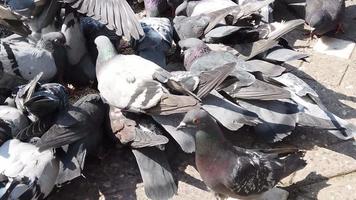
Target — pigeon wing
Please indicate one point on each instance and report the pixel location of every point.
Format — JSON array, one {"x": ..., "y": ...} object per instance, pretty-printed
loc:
[{"x": 115, "y": 14}]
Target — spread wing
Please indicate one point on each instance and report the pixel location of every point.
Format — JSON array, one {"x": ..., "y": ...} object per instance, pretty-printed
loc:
[{"x": 115, "y": 14}]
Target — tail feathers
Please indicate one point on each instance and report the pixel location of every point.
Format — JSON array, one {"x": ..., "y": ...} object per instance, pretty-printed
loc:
[
  {"x": 156, "y": 173},
  {"x": 335, "y": 125},
  {"x": 314, "y": 115},
  {"x": 209, "y": 80},
  {"x": 290, "y": 164}
]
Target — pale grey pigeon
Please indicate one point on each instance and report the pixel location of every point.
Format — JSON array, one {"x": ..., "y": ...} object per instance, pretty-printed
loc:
[
  {"x": 22, "y": 58},
  {"x": 25, "y": 172},
  {"x": 137, "y": 86}
]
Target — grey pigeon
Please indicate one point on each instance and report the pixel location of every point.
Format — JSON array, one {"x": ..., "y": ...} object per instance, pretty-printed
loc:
[
  {"x": 196, "y": 25},
  {"x": 199, "y": 57},
  {"x": 146, "y": 140},
  {"x": 324, "y": 15},
  {"x": 29, "y": 18},
  {"x": 115, "y": 14},
  {"x": 140, "y": 83},
  {"x": 232, "y": 171},
  {"x": 157, "y": 40},
  {"x": 25, "y": 172},
  {"x": 250, "y": 50},
  {"x": 22, "y": 58}
]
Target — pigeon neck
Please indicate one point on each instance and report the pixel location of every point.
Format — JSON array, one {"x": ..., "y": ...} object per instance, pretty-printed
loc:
[
  {"x": 209, "y": 140},
  {"x": 105, "y": 54}
]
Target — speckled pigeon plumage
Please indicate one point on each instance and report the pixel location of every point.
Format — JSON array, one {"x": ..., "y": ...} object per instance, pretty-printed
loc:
[{"x": 232, "y": 171}]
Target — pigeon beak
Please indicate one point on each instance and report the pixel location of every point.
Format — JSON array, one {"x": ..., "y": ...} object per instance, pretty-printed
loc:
[{"x": 181, "y": 126}]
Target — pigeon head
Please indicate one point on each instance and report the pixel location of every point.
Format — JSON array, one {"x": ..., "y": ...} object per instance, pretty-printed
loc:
[
  {"x": 51, "y": 41},
  {"x": 106, "y": 49},
  {"x": 193, "y": 49},
  {"x": 196, "y": 118}
]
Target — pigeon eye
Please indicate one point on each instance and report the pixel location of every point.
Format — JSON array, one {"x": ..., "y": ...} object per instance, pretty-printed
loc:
[{"x": 196, "y": 121}]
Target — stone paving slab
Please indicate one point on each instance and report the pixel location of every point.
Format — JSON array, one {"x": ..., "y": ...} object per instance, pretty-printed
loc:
[
  {"x": 339, "y": 188},
  {"x": 325, "y": 163}
]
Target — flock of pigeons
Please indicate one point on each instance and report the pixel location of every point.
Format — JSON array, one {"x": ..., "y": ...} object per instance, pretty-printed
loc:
[{"x": 231, "y": 75}]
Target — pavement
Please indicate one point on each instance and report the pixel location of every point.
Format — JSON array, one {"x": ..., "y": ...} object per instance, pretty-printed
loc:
[{"x": 331, "y": 163}]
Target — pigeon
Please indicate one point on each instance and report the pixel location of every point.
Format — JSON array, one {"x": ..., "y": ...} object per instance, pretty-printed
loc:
[
  {"x": 21, "y": 58},
  {"x": 157, "y": 40},
  {"x": 146, "y": 140},
  {"x": 115, "y": 14},
  {"x": 38, "y": 101},
  {"x": 141, "y": 89},
  {"x": 28, "y": 18},
  {"x": 324, "y": 15},
  {"x": 25, "y": 172},
  {"x": 199, "y": 57},
  {"x": 82, "y": 68},
  {"x": 231, "y": 171},
  {"x": 195, "y": 26}
]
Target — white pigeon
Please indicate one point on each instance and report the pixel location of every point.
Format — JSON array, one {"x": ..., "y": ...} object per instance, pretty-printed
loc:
[
  {"x": 26, "y": 173},
  {"x": 134, "y": 84}
]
